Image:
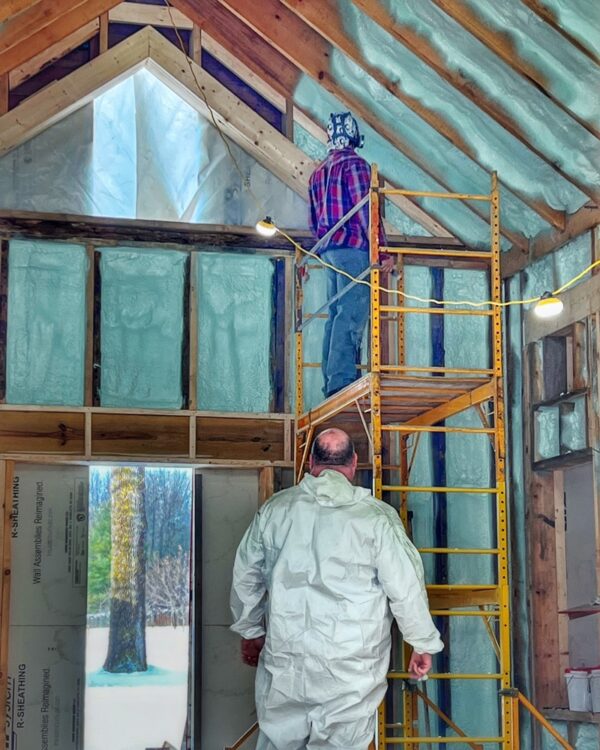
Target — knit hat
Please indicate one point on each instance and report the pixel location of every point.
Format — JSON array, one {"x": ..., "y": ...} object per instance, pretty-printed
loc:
[{"x": 342, "y": 132}]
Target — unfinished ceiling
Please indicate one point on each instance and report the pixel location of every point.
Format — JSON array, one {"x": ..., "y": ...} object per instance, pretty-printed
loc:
[{"x": 446, "y": 90}]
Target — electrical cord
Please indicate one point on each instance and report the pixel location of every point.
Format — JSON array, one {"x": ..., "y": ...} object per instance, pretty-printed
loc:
[{"x": 261, "y": 209}]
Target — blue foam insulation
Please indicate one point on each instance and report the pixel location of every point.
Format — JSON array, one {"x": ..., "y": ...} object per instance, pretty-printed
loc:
[
  {"x": 567, "y": 71},
  {"x": 47, "y": 321},
  {"x": 494, "y": 146},
  {"x": 234, "y": 329},
  {"x": 141, "y": 328},
  {"x": 555, "y": 269},
  {"x": 576, "y": 18},
  {"x": 543, "y": 123}
]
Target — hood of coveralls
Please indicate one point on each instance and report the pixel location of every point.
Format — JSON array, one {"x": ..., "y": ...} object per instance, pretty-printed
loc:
[{"x": 333, "y": 489}]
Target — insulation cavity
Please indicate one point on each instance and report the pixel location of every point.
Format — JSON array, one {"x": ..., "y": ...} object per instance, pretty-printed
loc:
[
  {"x": 46, "y": 323},
  {"x": 141, "y": 328},
  {"x": 495, "y": 147},
  {"x": 235, "y": 311}
]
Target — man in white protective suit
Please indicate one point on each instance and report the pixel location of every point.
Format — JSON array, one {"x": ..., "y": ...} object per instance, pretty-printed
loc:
[{"x": 318, "y": 576}]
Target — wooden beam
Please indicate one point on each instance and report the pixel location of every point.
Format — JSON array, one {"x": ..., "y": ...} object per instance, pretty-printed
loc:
[
  {"x": 422, "y": 48},
  {"x": 266, "y": 484},
  {"x": 550, "y": 18},
  {"x": 502, "y": 45},
  {"x": 53, "y": 53},
  {"x": 515, "y": 260},
  {"x": 270, "y": 73},
  {"x": 311, "y": 52},
  {"x": 139, "y": 14},
  {"x": 196, "y": 44},
  {"x": 103, "y": 33},
  {"x": 60, "y": 98},
  {"x": 54, "y": 31},
  {"x": 12, "y": 7},
  {"x": 35, "y": 18},
  {"x": 4, "y": 92},
  {"x": 103, "y": 231}
]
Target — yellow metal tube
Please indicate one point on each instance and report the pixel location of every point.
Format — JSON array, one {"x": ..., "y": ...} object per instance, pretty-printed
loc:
[
  {"x": 465, "y": 490},
  {"x": 433, "y": 428},
  {"x": 445, "y": 676},
  {"x": 441, "y": 370},
  {"x": 430, "y": 194},
  {"x": 434, "y": 707},
  {"x": 464, "y": 613},
  {"x": 544, "y": 722},
  {"x": 435, "y": 253},
  {"x": 246, "y": 736},
  {"x": 443, "y": 740},
  {"x": 437, "y": 310},
  {"x": 456, "y": 551}
]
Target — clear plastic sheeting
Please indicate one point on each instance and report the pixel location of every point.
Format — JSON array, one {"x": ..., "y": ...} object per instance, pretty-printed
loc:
[
  {"x": 46, "y": 323},
  {"x": 235, "y": 309},
  {"x": 547, "y": 432},
  {"x": 573, "y": 426},
  {"x": 53, "y": 171},
  {"x": 495, "y": 147},
  {"x": 141, "y": 328},
  {"x": 140, "y": 151}
]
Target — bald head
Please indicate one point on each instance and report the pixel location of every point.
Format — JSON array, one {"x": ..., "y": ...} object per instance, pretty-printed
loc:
[{"x": 333, "y": 449}]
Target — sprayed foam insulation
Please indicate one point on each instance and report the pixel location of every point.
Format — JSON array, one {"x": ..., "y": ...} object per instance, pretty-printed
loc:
[
  {"x": 141, "y": 328},
  {"x": 46, "y": 324},
  {"x": 576, "y": 17},
  {"x": 235, "y": 309}
]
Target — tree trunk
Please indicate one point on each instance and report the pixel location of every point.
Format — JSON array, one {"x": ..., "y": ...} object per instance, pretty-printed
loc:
[{"x": 127, "y": 634}]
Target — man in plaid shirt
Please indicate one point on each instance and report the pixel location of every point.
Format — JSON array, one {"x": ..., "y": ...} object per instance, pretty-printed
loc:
[{"x": 335, "y": 186}]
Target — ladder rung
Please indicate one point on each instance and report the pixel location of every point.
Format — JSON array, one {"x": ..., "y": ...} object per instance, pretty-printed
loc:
[
  {"x": 435, "y": 310},
  {"x": 461, "y": 586},
  {"x": 445, "y": 676},
  {"x": 442, "y": 370},
  {"x": 457, "y": 551},
  {"x": 465, "y": 613},
  {"x": 436, "y": 252},
  {"x": 466, "y": 490},
  {"x": 431, "y": 428},
  {"x": 430, "y": 194},
  {"x": 472, "y": 741}
]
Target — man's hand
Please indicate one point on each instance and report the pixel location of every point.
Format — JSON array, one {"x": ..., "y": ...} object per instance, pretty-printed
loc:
[
  {"x": 251, "y": 648},
  {"x": 388, "y": 264},
  {"x": 419, "y": 665}
]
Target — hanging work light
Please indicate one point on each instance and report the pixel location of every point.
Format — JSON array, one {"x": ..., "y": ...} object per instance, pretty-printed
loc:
[
  {"x": 548, "y": 306},
  {"x": 266, "y": 227}
]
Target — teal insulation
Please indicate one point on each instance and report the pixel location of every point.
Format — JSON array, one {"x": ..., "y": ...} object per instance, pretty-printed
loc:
[
  {"x": 141, "y": 330},
  {"x": 235, "y": 309},
  {"x": 46, "y": 325}
]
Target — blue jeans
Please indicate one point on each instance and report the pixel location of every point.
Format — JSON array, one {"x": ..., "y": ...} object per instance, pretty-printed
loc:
[{"x": 347, "y": 318}]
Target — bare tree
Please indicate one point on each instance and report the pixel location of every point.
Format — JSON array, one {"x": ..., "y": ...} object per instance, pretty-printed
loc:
[
  {"x": 127, "y": 634},
  {"x": 167, "y": 588}
]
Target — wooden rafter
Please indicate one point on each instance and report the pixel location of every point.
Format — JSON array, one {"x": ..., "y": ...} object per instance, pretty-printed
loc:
[
  {"x": 325, "y": 18},
  {"x": 423, "y": 49},
  {"x": 311, "y": 53},
  {"x": 53, "y": 53},
  {"x": 515, "y": 259},
  {"x": 149, "y": 15},
  {"x": 271, "y": 72},
  {"x": 34, "y": 41},
  {"x": 550, "y": 18},
  {"x": 18, "y": 28},
  {"x": 502, "y": 45},
  {"x": 10, "y": 8}
]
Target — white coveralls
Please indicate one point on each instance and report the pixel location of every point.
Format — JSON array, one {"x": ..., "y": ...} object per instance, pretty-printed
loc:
[{"x": 319, "y": 569}]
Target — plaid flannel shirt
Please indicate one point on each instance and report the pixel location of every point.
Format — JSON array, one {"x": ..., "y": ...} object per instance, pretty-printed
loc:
[{"x": 336, "y": 185}]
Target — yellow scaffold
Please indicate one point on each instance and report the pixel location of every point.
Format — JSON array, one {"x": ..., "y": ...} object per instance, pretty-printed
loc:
[{"x": 389, "y": 408}]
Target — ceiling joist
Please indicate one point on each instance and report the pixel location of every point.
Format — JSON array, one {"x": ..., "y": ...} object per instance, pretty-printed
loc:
[{"x": 10, "y": 8}]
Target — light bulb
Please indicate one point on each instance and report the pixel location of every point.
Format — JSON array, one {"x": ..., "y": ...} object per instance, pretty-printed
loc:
[
  {"x": 266, "y": 227},
  {"x": 548, "y": 306}
]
